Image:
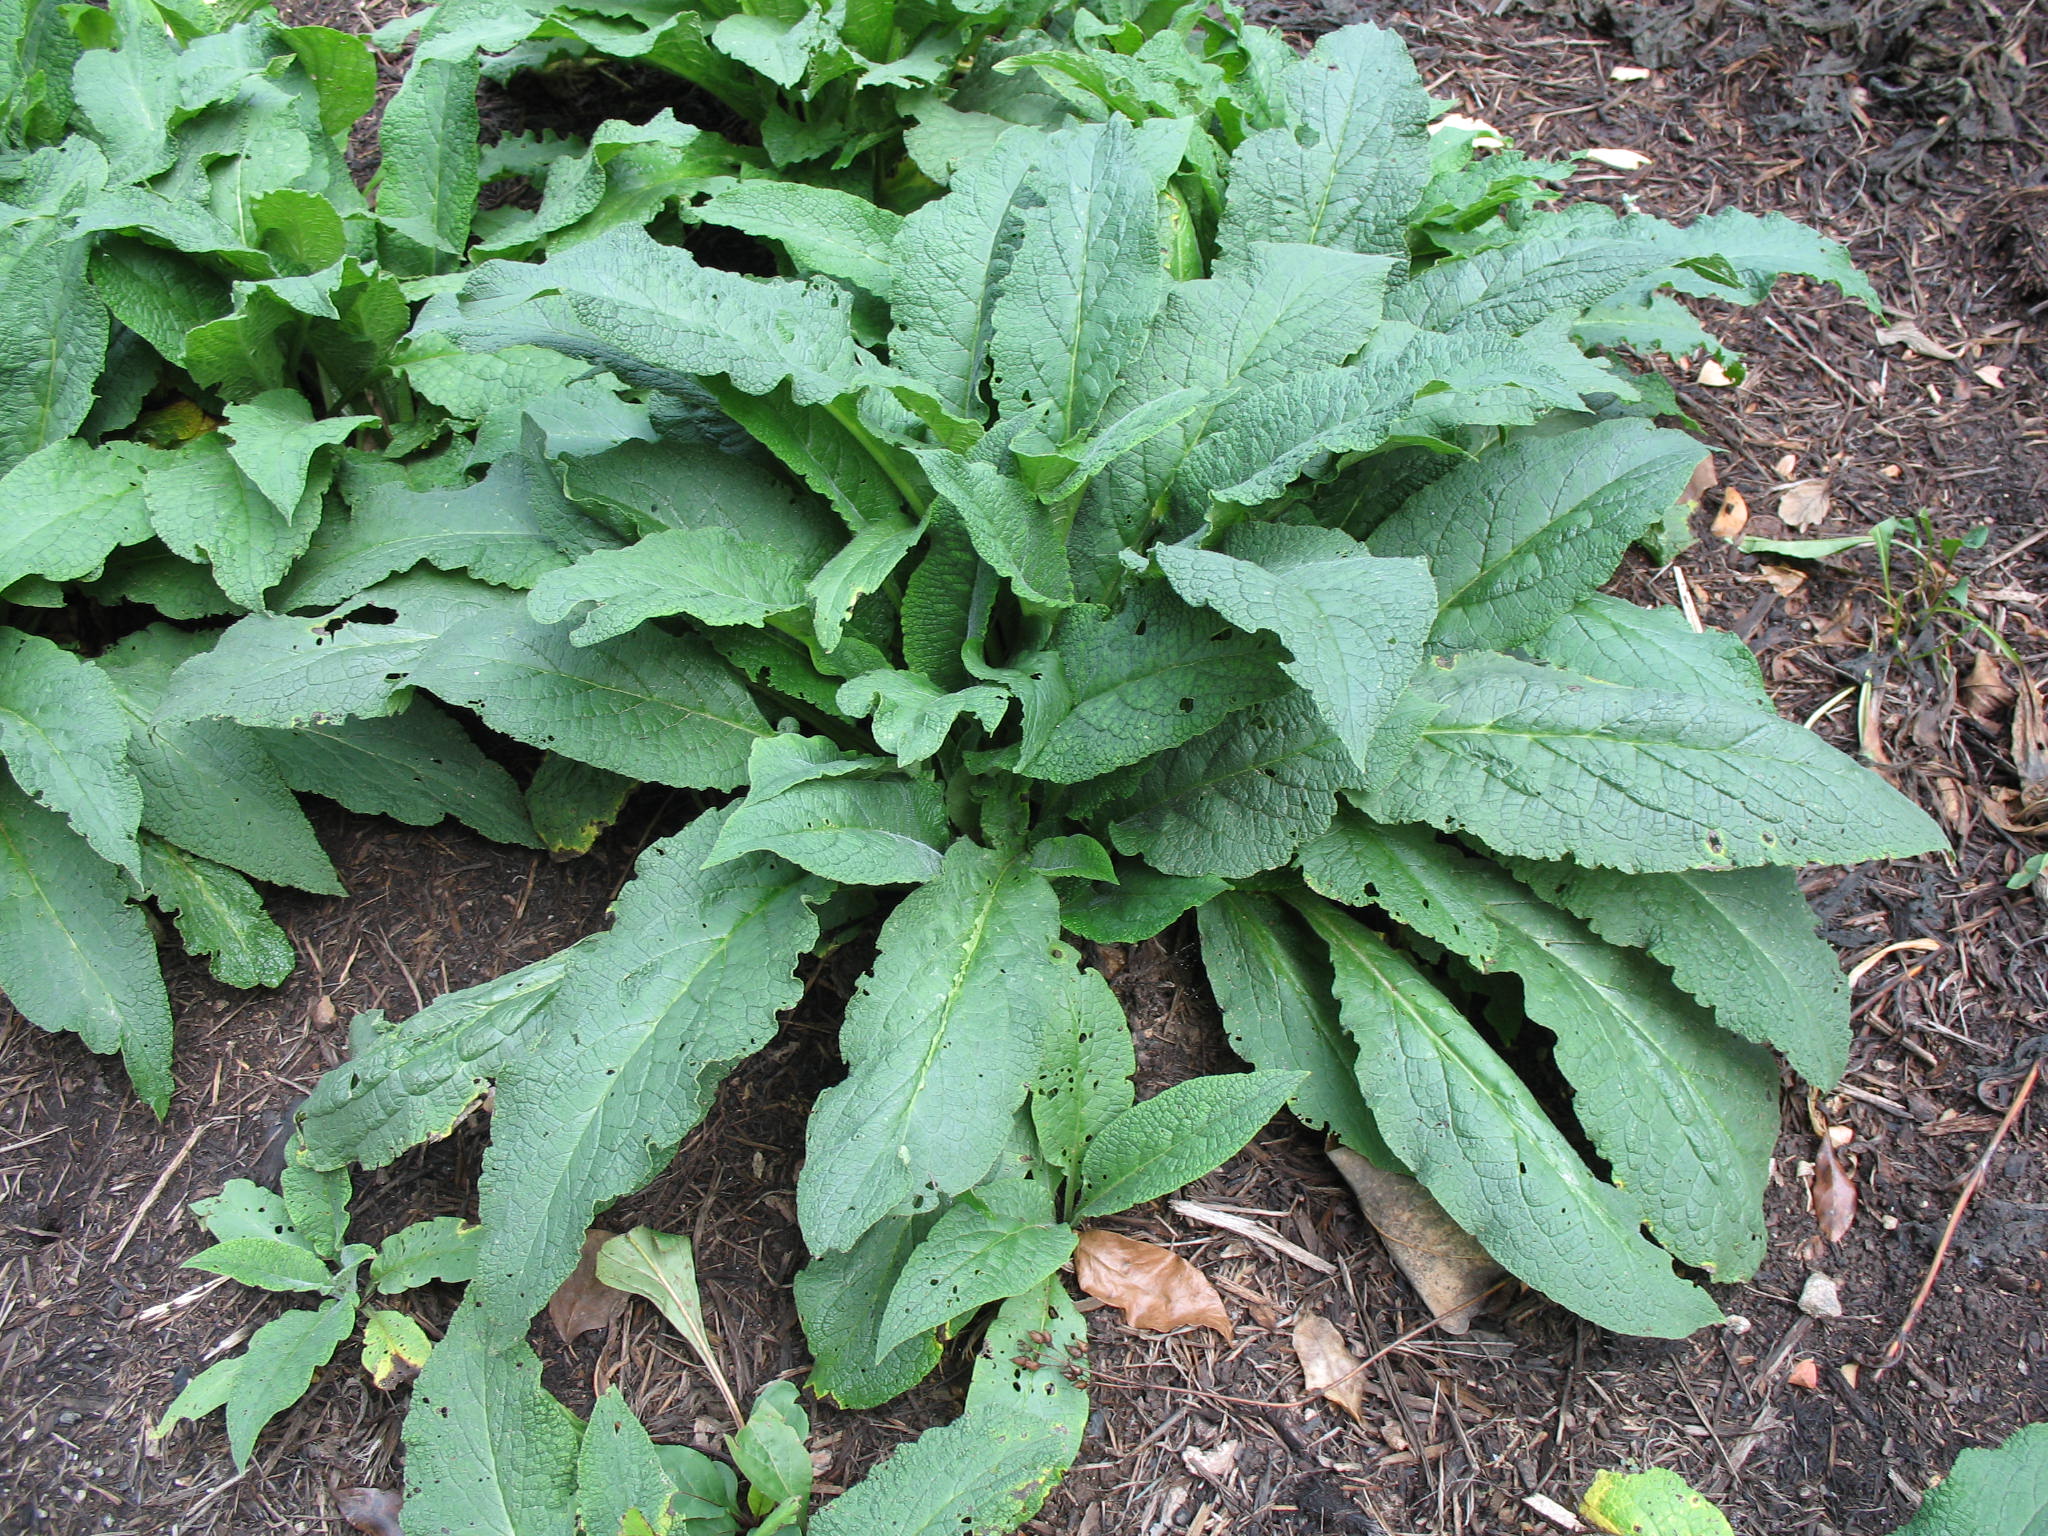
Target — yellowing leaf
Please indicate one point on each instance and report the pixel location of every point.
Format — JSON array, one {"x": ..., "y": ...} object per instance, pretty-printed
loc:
[
  {"x": 1656, "y": 1503},
  {"x": 394, "y": 1348},
  {"x": 1155, "y": 1288}
]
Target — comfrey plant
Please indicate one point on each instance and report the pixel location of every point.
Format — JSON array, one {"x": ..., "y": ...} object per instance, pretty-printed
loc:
[{"x": 1200, "y": 506}]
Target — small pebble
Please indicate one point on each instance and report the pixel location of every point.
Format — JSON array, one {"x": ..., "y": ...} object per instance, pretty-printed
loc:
[{"x": 1820, "y": 1297}]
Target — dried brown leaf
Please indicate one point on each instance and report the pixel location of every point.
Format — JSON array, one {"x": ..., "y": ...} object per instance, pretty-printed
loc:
[
  {"x": 1445, "y": 1264},
  {"x": 1985, "y": 691},
  {"x": 1908, "y": 335},
  {"x": 1803, "y": 504},
  {"x": 1733, "y": 516},
  {"x": 1156, "y": 1288},
  {"x": 1327, "y": 1364},
  {"x": 369, "y": 1509},
  {"x": 1703, "y": 480},
  {"x": 1783, "y": 579},
  {"x": 583, "y": 1304},
  {"x": 2030, "y": 744},
  {"x": 1786, "y": 465},
  {"x": 1833, "y": 1194}
]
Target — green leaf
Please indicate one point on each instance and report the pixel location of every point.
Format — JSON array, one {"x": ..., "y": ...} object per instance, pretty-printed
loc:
[
  {"x": 939, "y": 1042},
  {"x": 1173, "y": 1138},
  {"x": 504, "y": 529},
  {"x": 712, "y": 574},
  {"x": 1652, "y": 1503},
  {"x": 273, "y": 439},
  {"x": 1618, "y": 642},
  {"x": 648, "y": 1019},
  {"x": 1759, "y": 248},
  {"x": 770, "y": 1452},
  {"x": 989, "y": 1470},
  {"x": 1083, "y": 1079},
  {"x": 662, "y": 1267},
  {"x": 1695, "y": 1148},
  {"x": 409, "y": 1083},
  {"x": 317, "y": 1199},
  {"x": 1742, "y": 941},
  {"x": 219, "y": 915},
  {"x": 1518, "y": 536},
  {"x": 877, "y": 829},
  {"x": 209, "y": 1390},
  {"x": 1138, "y": 906},
  {"x": 1010, "y": 529},
  {"x": 278, "y": 1366},
  {"x": 1354, "y": 624},
  {"x": 994, "y": 1242},
  {"x": 69, "y": 506},
  {"x": 265, "y": 1262},
  {"x": 1075, "y": 856},
  {"x": 1272, "y": 985},
  {"x": 949, "y": 257},
  {"x": 2001, "y": 1490},
  {"x": 618, "y": 1470},
  {"x": 342, "y": 71},
  {"x": 1352, "y": 159},
  {"x": 1540, "y": 762},
  {"x": 649, "y": 706},
  {"x": 488, "y": 1450},
  {"x": 1513, "y": 288},
  {"x": 427, "y": 177},
  {"x": 1116, "y": 688},
  {"x": 1236, "y": 801},
  {"x": 246, "y": 1210},
  {"x": 1085, "y": 278},
  {"x": 443, "y": 1248},
  {"x": 65, "y": 739},
  {"x": 207, "y": 509},
  {"x": 840, "y": 1297},
  {"x": 418, "y": 767},
  {"x": 54, "y": 339},
  {"x": 394, "y": 1348},
  {"x": 1454, "y": 1112},
  {"x": 572, "y": 803},
  {"x": 911, "y": 716},
  {"x": 861, "y": 567},
  {"x": 286, "y": 673},
  {"x": 822, "y": 229}
]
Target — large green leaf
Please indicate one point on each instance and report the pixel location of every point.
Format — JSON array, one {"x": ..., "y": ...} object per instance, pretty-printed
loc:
[
  {"x": 204, "y": 506},
  {"x": 488, "y": 1450},
  {"x": 1116, "y": 688},
  {"x": 64, "y": 737},
  {"x": 417, "y": 767},
  {"x": 274, "y": 437},
  {"x": 1084, "y": 1074},
  {"x": 1739, "y": 940},
  {"x": 69, "y": 506},
  {"x": 822, "y": 229},
  {"x": 1683, "y": 1111},
  {"x": 712, "y": 574},
  {"x": 940, "y": 1042},
  {"x": 218, "y": 914},
  {"x": 410, "y": 1082},
  {"x": 840, "y": 1298},
  {"x": 1237, "y": 800},
  {"x": 1514, "y": 287},
  {"x": 1618, "y": 642},
  {"x": 1086, "y": 275},
  {"x": 646, "y": 705},
  {"x": 1175, "y": 1137},
  {"x": 1519, "y": 535},
  {"x": 1541, "y": 762},
  {"x": 1272, "y": 984},
  {"x": 989, "y": 1470},
  {"x": 2005, "y": 1491},
  {"x": 1009, "y": 528},
  {"x": 427, "y": 176},
  {"x": 836, "y": 814},
  {"x": 994, "y": 1242},
  {"x": 278, "y": 1366},
  {"x": 74, "y": 955},
  {"x": 1473, "y": 1133},
  {"x": 1353, "y": 624},
  {"x": 1350, "y": 161},
  {"x": 618, "y": 1471},
  {"x": 646, "y": 1022},
  {"x": 53, "y": 335}
]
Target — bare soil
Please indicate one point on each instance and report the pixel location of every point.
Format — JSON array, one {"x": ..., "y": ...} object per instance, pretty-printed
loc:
[{"x": 1903, "y": 128}]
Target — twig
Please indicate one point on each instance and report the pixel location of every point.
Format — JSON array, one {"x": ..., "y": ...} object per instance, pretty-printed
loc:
[
  {"x": 1896, "y": 1350},
  {"x": 156, "y": 1189},
  {"x": 1255, "y": 1231}
]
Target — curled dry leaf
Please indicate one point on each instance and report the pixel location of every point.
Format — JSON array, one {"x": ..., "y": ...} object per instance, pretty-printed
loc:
[
  {"x": 1155, "y": 1288},
  {"x": 1985, "y": 691},
  {"x": 584, "y": 1303},
  {"x": 1991, "y": 374},
  {"x": 1833, "y": 1193},
  {"x": 1733, "y": 516},
  {"x": 1703, "y": 480},
  {"x": 1908, "y": 335},
  {"x": 1327, "y": 1364},
  {"x": 1783, "y": 579},
  {"x": 1444, "y": 1263},
  {"x": 369, "y": 1509},
  {"x": 1619, "y": 159},
  {"x": 1713, "y": 376},
  {"x": 1804, "y": 503}
]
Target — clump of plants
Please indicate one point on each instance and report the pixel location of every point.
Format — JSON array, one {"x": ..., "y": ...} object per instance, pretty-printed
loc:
[{"x": 1198, "y": 504}]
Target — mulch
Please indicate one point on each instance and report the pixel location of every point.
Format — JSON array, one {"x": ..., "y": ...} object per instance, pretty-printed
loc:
[{"x": 1900, "y": 126}]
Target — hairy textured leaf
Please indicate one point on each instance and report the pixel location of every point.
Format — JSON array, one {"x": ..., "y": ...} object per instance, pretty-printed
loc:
[
  {"x": 618, "y": 1471},
  {"x": 840, "y": 1297},
  {"x": 1272, "y": 984},
  {"x": 1473, "y": 1133},
  {"x": 394, "y": 1349},
  {"x": 1541, "y": 762},
  {"x": 1739, "y": 940},
  {"x": 910, "y": 716},
  {"x": 54, "y": 339},
  {"x": 443, "y": 1248},
  {"x": 2001, "y": 1490},
  {"x": 648, "y": 706},
  {"x": 427, "y": 177},
  {"x": 1350, "y": 162},
  {"x": 410, "y": 1082},
  {"x": 1518, "y": 536},
  {"x": 711, "y": 574},
  {"x": 1084, "y": 1072},
  {"x": 64, "y": 736},
  {"x": 805, "y": 804},
  {"x": 266, "y": 1263},
  {"x": 939, "y": 1042},
  {"x": 1174, "y": 1137},
  {"x": 1138, "y": 906},
  {"x": 1010, "y": 529},
  {"x": 1354, "y": 624},
  {"x": 647, "y": 1021},
  {"x": 488, "y": 1450},
  {"x": 1618, "y": 642},
  {"x": 278, "y": 1366},
  {"x": 1513, "y": 288},
  {"x": 994, "y": 1242},
  {"x": 219, "y": 915},
  {"x": 69, "y": 506},
  {"x": 273, "y": 438},
  {"x": 207, "y": 509},
  {"x": 826, "y": 230}
]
